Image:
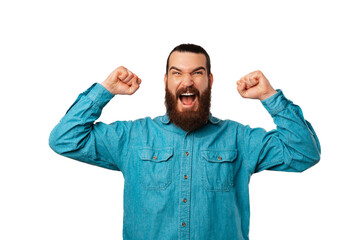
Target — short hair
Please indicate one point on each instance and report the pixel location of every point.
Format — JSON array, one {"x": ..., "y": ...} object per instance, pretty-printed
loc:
[{"x": 193, "y": 49}]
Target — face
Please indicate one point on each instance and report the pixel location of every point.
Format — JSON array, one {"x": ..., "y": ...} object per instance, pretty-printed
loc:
[
  {"x": 187, "y": 75},
  {"x": 188, "y": 90}
]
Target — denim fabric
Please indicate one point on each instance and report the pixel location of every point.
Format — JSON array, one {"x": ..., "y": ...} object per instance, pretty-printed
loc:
[{"x": 181, "y": 185}]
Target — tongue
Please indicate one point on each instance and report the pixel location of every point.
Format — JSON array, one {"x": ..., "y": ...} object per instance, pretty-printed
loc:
[{"x": 187, "y": 100}]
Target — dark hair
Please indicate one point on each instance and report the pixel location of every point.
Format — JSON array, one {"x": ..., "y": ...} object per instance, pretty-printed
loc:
[{"x": 193, "y": 49}]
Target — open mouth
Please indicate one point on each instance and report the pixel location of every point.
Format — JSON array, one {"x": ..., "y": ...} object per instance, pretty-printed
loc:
[{"x": 188, "y": 99}]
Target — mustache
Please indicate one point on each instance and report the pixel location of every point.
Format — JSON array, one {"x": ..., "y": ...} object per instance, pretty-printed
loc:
[{"x": 191, "y": 89}]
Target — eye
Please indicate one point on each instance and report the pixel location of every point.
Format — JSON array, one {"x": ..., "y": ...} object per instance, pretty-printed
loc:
[
  {"x": 198, "y": 73},
  {"x": 176, "y": 73}
]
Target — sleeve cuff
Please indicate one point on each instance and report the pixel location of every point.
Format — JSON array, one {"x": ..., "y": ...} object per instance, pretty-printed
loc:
[
  {"x": 99, "y": 95},
  {"x": 276, "y": 103}
]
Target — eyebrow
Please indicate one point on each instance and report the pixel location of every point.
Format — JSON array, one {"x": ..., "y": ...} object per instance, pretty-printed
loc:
[{"x": 194, "y": 70}]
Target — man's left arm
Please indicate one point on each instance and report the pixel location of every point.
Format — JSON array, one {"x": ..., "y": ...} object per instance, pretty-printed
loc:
[{"x": 294, "y": 146}]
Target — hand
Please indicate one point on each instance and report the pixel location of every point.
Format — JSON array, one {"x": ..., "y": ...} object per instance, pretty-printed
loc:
[
  {"x": 122, "y": 81},
  {"x": 255, "y": 85}
]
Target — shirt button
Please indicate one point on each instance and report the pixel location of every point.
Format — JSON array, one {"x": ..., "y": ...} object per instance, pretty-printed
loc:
[
  {"x": 183, "y": 224},
  {"x": 187, "y": 153},
  {"x": 184, "y": 200},
  {"x": 155, "y": 157},
  {"x": 185, "y": 177},
  {"x": 219, "y": 158}
]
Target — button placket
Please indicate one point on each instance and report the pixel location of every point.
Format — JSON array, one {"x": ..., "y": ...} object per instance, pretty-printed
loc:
[{"x": 185, "y": 183}]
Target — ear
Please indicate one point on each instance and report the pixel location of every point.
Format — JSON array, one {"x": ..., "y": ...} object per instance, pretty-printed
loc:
[
  {"x": 211, "y": 80},
  {"x": 165, "y": 81}
]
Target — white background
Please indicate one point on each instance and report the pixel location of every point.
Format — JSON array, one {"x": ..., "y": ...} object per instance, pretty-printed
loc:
[{"x": 51, "y": 51}]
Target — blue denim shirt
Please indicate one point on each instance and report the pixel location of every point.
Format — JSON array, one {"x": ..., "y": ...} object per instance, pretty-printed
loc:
[{"x": 185, "y": 185}]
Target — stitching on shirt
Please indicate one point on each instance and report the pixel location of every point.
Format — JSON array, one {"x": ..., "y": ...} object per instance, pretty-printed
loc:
[
  {"x": 167, "y": 165},
  {"x": 226, "y": 184}
]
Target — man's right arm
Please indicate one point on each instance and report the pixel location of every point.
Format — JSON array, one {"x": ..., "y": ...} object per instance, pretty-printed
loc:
[{"x": 77, "y": 137}]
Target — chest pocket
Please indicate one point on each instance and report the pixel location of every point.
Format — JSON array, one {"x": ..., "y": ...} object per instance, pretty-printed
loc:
[
  {"x": 155, "y": 168},
  {"x": 218, "y": 169}
]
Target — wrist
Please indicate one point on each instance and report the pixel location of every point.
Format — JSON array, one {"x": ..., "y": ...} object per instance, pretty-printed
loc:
[
  {"x": 108, "y": 87},
  {"x": 268, "y": 94},
  {"x": 99, "y": 95},
  {"x": 276, "y": 103}
]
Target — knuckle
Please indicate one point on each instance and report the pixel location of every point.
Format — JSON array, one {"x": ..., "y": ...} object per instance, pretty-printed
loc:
[
  {"x": 124, "y": 74},
  {"x": 121, "y": 69},
  {"x": 130, "y": 74}
]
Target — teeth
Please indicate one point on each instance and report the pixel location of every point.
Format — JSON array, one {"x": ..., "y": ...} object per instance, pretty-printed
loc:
[{"x": 187, "y": 94}]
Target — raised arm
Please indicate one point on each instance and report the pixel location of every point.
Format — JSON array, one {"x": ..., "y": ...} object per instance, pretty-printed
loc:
[
  {"x": 77, "y": 136},
  {"x": 293, "y": 146}
]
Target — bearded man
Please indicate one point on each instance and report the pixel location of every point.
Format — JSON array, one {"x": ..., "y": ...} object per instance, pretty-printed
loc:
[{"x": 186, "y": 173}]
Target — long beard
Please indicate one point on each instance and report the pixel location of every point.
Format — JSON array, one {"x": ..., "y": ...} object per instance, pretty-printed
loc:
[{"x": 188, "y": 120}]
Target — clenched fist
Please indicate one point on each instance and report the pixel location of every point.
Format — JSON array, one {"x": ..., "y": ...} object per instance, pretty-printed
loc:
[
  {"x": 122, "y": 81},
  {"x": 255, "y": 85}
]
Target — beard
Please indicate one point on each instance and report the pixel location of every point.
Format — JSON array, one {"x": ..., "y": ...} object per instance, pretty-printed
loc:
[{"x": 188, "y": 120}]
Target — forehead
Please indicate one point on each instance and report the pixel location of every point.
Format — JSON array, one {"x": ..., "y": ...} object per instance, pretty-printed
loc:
[{"x": 187, "y": 61}]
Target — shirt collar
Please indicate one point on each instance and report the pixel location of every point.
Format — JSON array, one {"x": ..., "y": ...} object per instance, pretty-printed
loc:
[{"x": 165, "y": 120}]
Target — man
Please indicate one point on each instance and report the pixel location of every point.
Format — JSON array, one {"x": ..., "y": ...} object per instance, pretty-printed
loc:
[{"x": 186, "y": 173}]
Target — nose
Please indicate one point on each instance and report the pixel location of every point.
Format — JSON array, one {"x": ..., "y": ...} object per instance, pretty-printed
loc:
[{"x": 187, "y": 80}]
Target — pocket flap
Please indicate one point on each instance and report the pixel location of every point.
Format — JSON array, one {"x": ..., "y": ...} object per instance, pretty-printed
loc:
[
  {"x": 219, "y": 155},
  {"x": 155, "y": 155}
]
